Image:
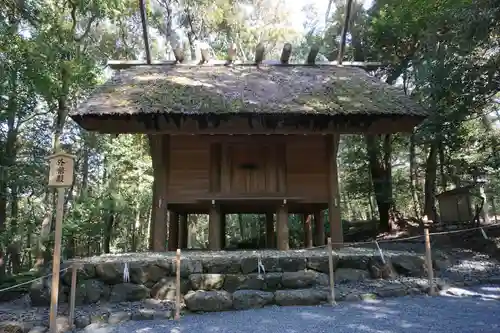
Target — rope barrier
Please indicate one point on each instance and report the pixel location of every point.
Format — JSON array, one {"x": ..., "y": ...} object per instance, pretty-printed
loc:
[
  {"x": 432, "y": 281},
  {"x": 378, "y": 241},
  {"x": 31, "y": 281}
]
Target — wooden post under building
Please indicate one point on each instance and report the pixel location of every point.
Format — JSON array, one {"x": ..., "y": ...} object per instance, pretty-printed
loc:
[
  {"x": 270, "y": 234},
  {"x": 173, "y": 231},
  {"x": 319, "y": 228},
  {"x": 282, "y": 227},
  {"x": 183, "y": 231},
  {"x": 214, "y": 228},
  {"x": 308, "y": 231}
]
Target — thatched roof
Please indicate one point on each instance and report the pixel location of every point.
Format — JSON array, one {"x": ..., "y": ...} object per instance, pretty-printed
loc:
[{"x": 199, "y": 89}]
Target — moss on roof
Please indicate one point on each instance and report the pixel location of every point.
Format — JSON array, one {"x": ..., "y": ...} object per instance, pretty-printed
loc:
[{"x": 328, "y": 90}]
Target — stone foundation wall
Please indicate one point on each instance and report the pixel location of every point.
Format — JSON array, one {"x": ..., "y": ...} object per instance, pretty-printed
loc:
[{"x": 227, "y": 281}]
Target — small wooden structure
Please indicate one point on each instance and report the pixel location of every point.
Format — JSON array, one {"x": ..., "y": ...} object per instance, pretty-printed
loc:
[
  {"x": 259, "y": 137},
  {"x": 463, "y": 205}
]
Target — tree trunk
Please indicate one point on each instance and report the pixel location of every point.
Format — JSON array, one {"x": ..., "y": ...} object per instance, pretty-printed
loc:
[
  {"x": 442, "y": 165},
  {"x": 242, "y": 228},
  {"x": 7, "y": 162},
  {"x": 413, "y": 176},
  {"x": 136, "y": 227},
  {"x": 109, "y": 222},
  {"x": 14, "y": 248},
  {"x": 380, "y": 169},
  {"x": 430, "y": 182}
]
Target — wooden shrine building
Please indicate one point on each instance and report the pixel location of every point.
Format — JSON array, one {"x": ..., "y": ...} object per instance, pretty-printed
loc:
[{"x": 245, "y": 138}]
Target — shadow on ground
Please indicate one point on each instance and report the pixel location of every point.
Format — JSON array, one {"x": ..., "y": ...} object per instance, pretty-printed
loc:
[{"x": 463, "y": 311}]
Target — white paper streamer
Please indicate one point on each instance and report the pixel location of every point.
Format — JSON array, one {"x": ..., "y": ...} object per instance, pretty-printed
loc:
[
  {"x": 126, "y": 274},
  {"x": 260, "y": 269},
  {"x": 381, "y": 253},
  {"x": 484, "y": 233}
]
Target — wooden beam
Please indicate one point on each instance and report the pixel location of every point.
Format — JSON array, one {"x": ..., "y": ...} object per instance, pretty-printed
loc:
[
  {"x": 336, "y": 232},
  {"x": 214, "y": 227},
  {"x": 343, "y": 36},
  {"x": 179, "y": 55},
  {"x": 231, "y": 54},
  {"x": 145, "y": 34},
  {"x": 173, "y": 231},
  {"x": 160, "y": 156},
  {"x": 319, "y": 228},
  {"x": 204, "y": 49},
  {"x": 282, "y": 227},
  {"x": 177, "y": 44},
  {"x": 313, "y": 53},
  {"x": 259, "y": 53},
  {"x": 286, "y": 53},
  {"x": 237, "y": 124}
]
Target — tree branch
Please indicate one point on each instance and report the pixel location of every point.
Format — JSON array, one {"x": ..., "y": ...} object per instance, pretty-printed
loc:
[{"x": 92, "y": 19}]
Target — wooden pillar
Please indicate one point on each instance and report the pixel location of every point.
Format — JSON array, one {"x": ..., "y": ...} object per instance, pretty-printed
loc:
[
  {"x": 214, "y": 221},
  {"x": 319, "y": 228},
  {"x": 308, "y": 240},
  {"x": 173, "y": 231},
  {"x": 336, "y": 232},
  {"x": 159, "y": 145},
  {"x": 183, "y": 231},
  {"x": 282, "y": 227},
  {"x": 222, "y": 231},
  {"x": 484, "y": 211},
  {"x": 270, "y": 235}
]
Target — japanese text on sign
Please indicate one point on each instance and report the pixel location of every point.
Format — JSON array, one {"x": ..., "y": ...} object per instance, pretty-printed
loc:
[{"x": 61, "y": 170}]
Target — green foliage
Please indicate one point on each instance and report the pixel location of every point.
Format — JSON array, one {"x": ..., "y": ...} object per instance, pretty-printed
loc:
[{"x": 52, "y": 54}]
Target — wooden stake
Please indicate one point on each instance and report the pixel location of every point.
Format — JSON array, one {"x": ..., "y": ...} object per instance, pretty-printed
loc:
[
  {"x": 145, "y": 34},
  {"x": 259, "y": 53},
  {"x": 72, "y": 297},
  {"x": 56, "y": 261},
  {"x": 286, "y": 53},
  {"x": 345, "y": 28},
  {"x": 178, "y": 285},
  {"x": 313, "y": 53},
  {"x": 428, "y": 259},
  {"x": 330, "y": 268}
]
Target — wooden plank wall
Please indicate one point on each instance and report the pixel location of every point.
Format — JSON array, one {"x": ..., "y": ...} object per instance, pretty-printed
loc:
[
  {"x": 192, "y": 177},
  {"x": 189, "y": 168},
  {"x": 307, "y": 168}
]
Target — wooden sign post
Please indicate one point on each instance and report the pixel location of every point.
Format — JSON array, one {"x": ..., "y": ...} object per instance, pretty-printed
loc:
[{"x": 61, "y": 170}]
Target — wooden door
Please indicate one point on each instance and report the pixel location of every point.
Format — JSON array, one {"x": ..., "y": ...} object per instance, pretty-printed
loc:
[{"x": 248, "y": 174}]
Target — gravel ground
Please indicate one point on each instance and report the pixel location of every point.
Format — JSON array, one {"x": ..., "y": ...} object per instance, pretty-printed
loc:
[{"x": 467, "y": 311}]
